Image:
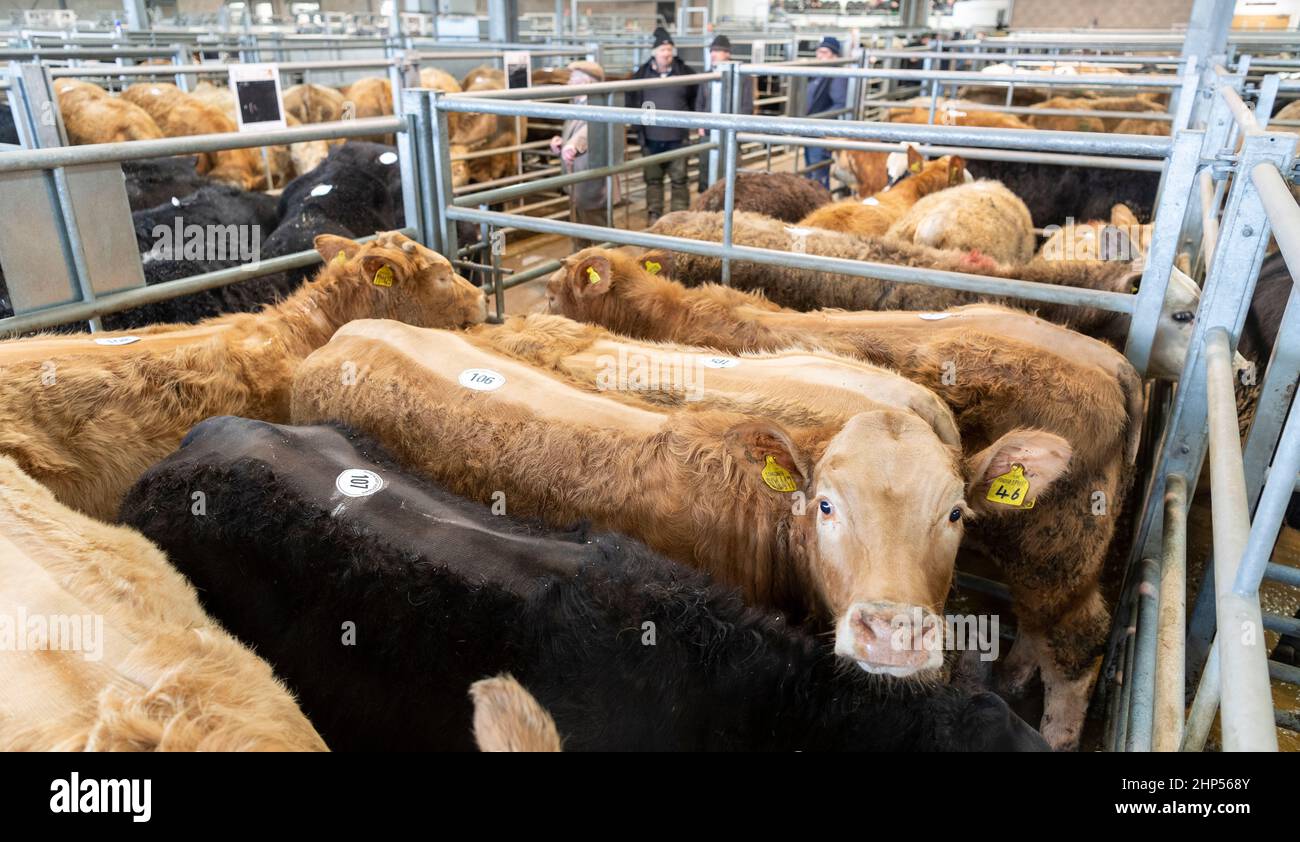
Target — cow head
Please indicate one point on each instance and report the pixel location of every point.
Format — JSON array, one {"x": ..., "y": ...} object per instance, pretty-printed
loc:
[
  {"x": 581, "y": 288},
  {"x": 1178, "y": 314},
  {"x": 888, "y": 507},
  {"x": 877, "y": 520},
  {"x": 408, "y": 282}
]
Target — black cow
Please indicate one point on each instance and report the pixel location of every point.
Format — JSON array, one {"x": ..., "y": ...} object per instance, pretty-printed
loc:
[
  {"x": 1053, "y": 194},
  {"x": 153, "y": 181},
  {"x": 380, "y": 611},
  {"x": 162, "y": 248}
]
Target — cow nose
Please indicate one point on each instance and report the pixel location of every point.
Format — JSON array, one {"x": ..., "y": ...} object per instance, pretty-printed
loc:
[{"x": 890, "y": 638}]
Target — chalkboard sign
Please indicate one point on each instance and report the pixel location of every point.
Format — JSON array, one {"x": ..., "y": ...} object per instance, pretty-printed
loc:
[
  {"x": 519, "y": 69},
  {"x": 257, "y": 96}
]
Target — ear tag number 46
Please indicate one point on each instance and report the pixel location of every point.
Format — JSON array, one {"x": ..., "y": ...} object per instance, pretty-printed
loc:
[{"x": 1011, "y": 489}]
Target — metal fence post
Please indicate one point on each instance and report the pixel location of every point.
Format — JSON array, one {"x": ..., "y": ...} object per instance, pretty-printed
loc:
[
  {"x": 729, "y": 86},
  {"x": 181, "y": 57},
  {"x": 421, "y": 126},
  {"x": 1225, "y": 299},
  {"x": 440, "y": 152}
]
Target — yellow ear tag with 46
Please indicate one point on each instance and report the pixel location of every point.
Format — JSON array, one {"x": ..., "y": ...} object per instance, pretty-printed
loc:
[
  {"x": 652, "y": 267},
  {"x": 384, "y": 277},
  {"x": 593, "y": 277},
  {"x": 1011, "y": 489},
  {"x": 778, "y": 478}
]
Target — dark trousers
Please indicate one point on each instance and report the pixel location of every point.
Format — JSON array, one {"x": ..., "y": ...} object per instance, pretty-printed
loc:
[
  {"x": 815, "y": 155},
  {"x": 654, "y": 178}
]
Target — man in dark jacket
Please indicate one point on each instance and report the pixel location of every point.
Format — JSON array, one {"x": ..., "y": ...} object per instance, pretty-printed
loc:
[
  {"x": 720, "y": 51},
  {"x": 655, "y": 139},
  {"x": 824, "y": 94}
]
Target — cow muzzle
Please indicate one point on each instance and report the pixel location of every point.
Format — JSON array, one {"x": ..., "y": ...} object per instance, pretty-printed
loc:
[{"x": 887, "y": 638}]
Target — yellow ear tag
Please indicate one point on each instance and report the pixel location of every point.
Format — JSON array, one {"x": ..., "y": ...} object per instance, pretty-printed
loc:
[
  {"x": 1011, "y": 489},
  {"x": 778, "y": 478},
  {"x": 339, "y": 259},
  {"x": 652, "y": 267},
  {"x": 384, "y": 277},
  {"x": 593, "y": 277},
  {"x": 915, "y": 166}
]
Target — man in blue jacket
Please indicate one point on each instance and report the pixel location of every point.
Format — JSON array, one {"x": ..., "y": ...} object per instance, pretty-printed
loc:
[{"x": 824, "y": 94}]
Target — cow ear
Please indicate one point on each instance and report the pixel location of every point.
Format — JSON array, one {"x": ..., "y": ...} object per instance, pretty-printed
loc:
[
  {"x": 658, "y": 262},
  {"x": 329, "y": 247},
  {"x": 591, "y": 274},
  {"x": 386, "y": 268},
  {"x": 915, "y": 160},
  {"x": 1121, "y": 216},
  {"x": 956, "y": 170},
  {"x": 1013, "y": 472},
  {"x": 766, "y": 451}
]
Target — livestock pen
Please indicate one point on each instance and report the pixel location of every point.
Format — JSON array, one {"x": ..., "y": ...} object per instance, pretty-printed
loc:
[
  {"x": 1212, "y": 194},
  {"x": 1234, "y": 255}
]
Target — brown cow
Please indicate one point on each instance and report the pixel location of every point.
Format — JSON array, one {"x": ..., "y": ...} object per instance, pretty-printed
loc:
[
  {"x": 179, "y": 114},
  {"x": 86, "y": 415},
  {"x": 998, "y": 369},
  {"x": 872, "y": 217},
  {"x": 108, "y": 650},
  {"x": 479, "y": 132},
  {"x": 91, "y": 115},
  {"x": 369, "y": 96},
  {"x": 707, "y": 487}
]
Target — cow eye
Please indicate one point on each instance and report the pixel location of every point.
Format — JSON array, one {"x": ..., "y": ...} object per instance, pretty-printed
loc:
[
  {"x": 1184, "y": 316},
  {"x": 954, "y": 515},
  {"x": 826, "y": 507}
]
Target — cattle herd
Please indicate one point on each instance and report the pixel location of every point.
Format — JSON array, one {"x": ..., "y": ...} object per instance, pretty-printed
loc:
[{"x": 334, "y": 508}]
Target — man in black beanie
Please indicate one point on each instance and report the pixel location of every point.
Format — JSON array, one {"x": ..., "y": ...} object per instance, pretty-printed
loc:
[
  {"x": 656, "y": 139},
  {"x": 720, "y": 51}
]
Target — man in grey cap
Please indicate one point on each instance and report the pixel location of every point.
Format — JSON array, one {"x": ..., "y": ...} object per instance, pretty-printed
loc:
[
  {"x": 720, "y": 51},
  {"x": 656, "y": 139},
  {"x": 825, "y": 93}
]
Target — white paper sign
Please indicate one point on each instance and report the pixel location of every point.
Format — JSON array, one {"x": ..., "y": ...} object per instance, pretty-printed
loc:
[
  {"x": 258, "y": 99},
  {"x": 720, "y": 362},
  {"x": 117, "y": 340},
  {"x": 519, "y": 69},
  {"x": 933, "y": 317}
]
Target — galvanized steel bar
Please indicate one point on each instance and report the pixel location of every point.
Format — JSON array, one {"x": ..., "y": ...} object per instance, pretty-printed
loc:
[
  {"x": 1051, "y": 141},
  {"x": 1175, "y": 193},
  {"x": 1246, "y": 701},
  {"x": 1142, "y": 676},
  {"x": 132, "y": 150},
  {"x": 492, "y": 197},
  {"x": 1167, "y": 734},
  {"x": 1029, "y": 291},
  {"x": 140, "y": 296},
  {"x": 970, "y": 152}
]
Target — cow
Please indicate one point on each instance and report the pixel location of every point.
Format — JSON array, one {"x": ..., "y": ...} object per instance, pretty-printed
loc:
[
  {"x": 380, "y": 598},
  {"x": 85, "y": 414},
  {"x": 788, "y": 513},
  {"x": 92, "y": 115},
  {"x": 107, "y": 649},
  {"x": 811, "y": 289},
  {"x": 997, "y": 368},
  {"x": 179, "y": 114}
]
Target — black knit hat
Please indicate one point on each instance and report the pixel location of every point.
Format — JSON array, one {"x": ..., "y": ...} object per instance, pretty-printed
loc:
[
  {"x": 662, "y": 37},
  {"x": 721, "y": 42}
]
